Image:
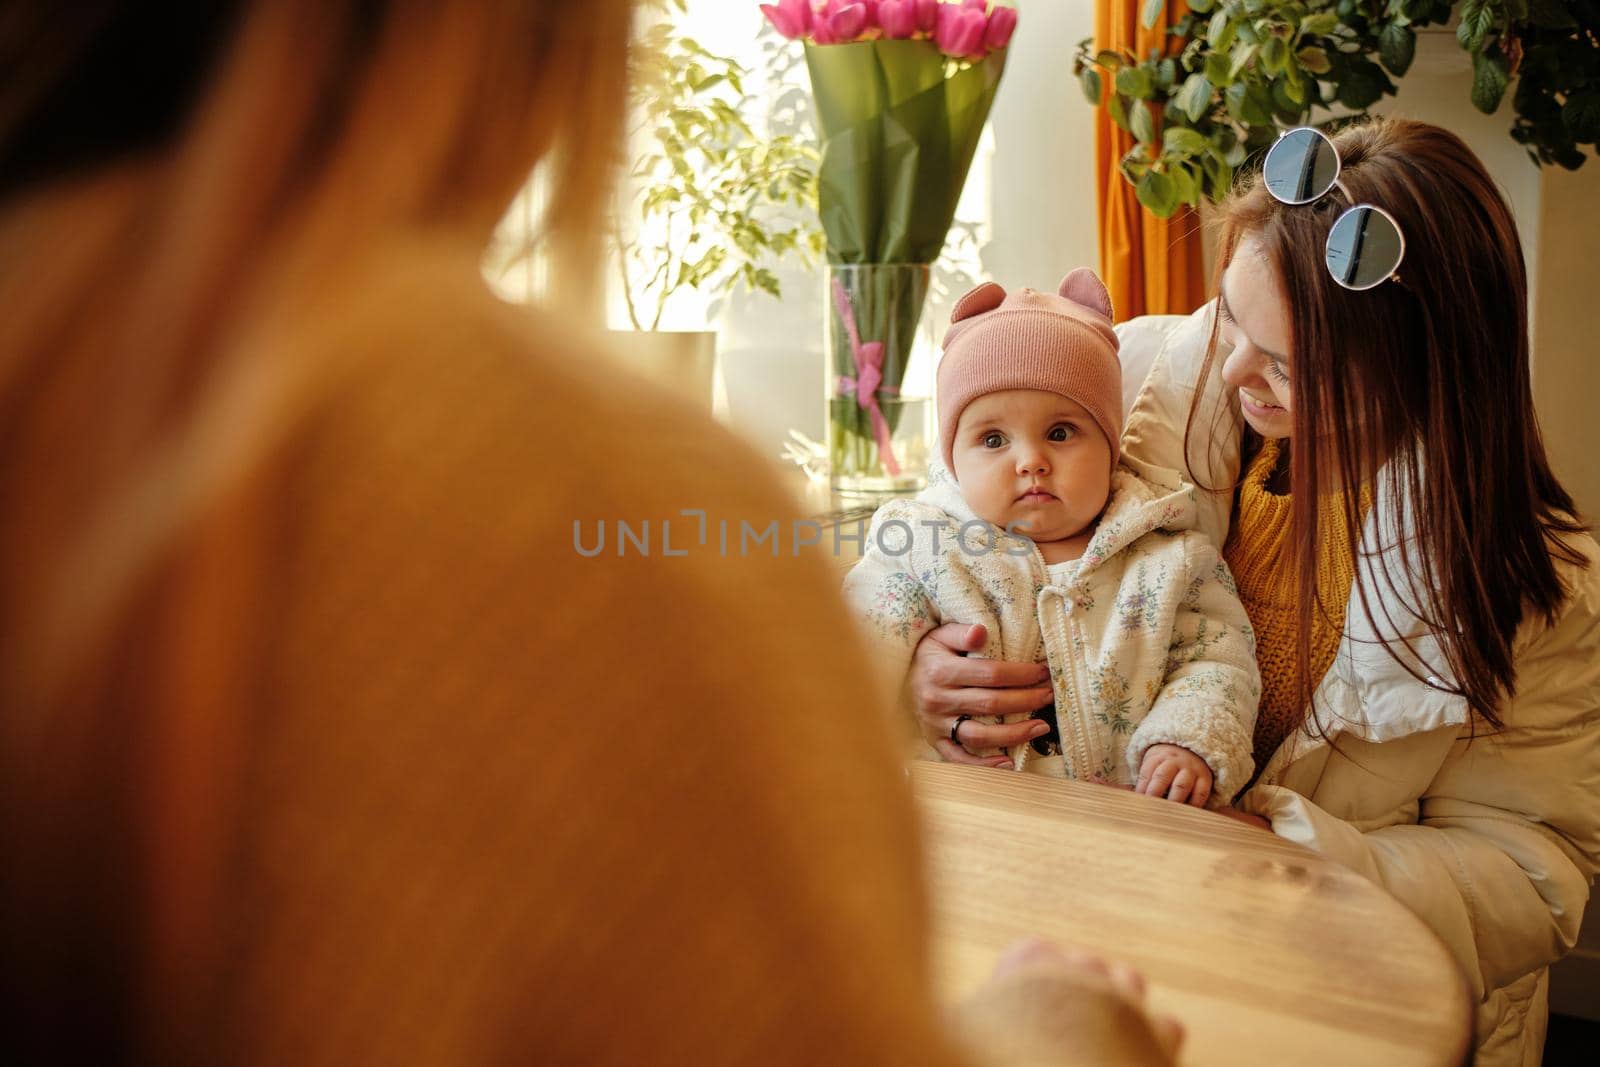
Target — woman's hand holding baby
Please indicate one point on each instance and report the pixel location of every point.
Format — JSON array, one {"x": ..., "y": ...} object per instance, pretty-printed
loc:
[
  {"x": 943, "y": 684},
  {"x": 1175, "y": 773}
]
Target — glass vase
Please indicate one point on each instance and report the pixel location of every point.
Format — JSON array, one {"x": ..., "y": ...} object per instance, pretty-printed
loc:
[{"x": 878, "y": 438}]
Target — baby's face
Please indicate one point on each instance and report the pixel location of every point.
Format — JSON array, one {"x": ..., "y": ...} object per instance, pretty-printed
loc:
[{"x": 1032, "y": 461}]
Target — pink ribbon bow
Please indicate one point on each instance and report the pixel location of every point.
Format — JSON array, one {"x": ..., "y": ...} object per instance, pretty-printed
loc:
[{"x": 868, "y": 380}]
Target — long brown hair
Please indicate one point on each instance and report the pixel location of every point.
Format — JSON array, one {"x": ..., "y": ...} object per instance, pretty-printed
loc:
[
  {"x": 169, "y": 180},
  {"x": 1425, "y": 379}
]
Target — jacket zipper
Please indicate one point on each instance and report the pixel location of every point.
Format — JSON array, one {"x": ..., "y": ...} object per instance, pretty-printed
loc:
[
  {"x": 1070, "y": 720},
  {"x": 1073, "y": 715}
]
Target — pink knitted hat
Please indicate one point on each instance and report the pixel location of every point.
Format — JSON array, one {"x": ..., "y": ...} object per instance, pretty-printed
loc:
[{"x": 1059, "y": 342}]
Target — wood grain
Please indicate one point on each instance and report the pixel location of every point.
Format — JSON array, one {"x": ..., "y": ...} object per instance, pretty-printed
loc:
[{"x": 1268, "y": 953}]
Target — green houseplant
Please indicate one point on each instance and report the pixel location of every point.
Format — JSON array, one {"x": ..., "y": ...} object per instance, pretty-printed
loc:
[
  {"x": 708, "y": 206},
  {"x": 1236, "y": 71}
]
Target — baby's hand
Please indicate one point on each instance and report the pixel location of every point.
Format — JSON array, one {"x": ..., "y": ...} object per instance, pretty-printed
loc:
[{"x": 1175, "y": 773}]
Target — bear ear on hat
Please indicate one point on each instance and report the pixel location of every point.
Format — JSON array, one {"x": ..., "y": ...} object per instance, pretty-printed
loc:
[
  {"x": 1084, "y": 287},
  {"x": 985, "y": 297}
]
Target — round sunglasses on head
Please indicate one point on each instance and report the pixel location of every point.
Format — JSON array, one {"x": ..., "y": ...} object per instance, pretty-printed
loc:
[{"x": 1365, "y": 245}]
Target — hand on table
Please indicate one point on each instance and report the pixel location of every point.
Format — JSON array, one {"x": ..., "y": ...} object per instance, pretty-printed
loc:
[
  {"x": 1175, "y": 773},
  {"x": 1045, "y": 1004}
]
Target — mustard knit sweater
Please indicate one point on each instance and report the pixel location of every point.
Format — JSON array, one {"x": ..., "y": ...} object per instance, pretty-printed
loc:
[
  {"x": 372, "y": 657},
  {"x": 1261, "y": 557}
]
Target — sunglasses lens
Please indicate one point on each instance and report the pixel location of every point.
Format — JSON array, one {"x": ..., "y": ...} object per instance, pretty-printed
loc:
[
  {"x": 1364, "y": 248},
  {"x": 1300, "y": 167}
]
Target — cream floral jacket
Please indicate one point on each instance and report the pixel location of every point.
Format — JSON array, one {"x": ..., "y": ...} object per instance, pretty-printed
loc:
[{"x": 1147, "y": 642}]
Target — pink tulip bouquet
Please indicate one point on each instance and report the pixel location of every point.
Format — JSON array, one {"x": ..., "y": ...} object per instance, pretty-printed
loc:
[
  {"x": 902, "y": 91},
  {"x": 966, "y": 29}
]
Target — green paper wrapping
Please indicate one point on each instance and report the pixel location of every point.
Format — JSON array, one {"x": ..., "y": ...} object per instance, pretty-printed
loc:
[{"x": 898, "y": 137}]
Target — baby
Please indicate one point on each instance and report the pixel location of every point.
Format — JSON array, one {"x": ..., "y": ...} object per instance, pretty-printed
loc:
[{"x": 1067, "y": 556}]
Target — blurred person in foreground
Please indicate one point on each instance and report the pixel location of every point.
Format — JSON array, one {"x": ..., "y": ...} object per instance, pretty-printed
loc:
[{"x": 296, "y": 763}]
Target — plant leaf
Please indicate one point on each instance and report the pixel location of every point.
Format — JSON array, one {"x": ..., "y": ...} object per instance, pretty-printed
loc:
[
  {"x": 1217, "y": 71},
  {"x": 1477, "y": 19},
  {"x": 1152, "y": 13},
  {"x": 1090, "y": 80},
  {"x": 1180, "y": 140},
  {"x": 1295, "y": 88},
  {"x": 1489, "y": 80},
  {"x": 1135, "y": 82},
  {"x": 1186, "y": 188},
  {"x": 1318, "y": 24},
  {"x": 1274, "y": 55},
  {"x": 1362, "y": 86},
  {"x": 1194, "y": 99},
  {"x": 1140, "y": 123},
  {"x": 1117, "y": 108},
  {"x": 1397, "y": 46},
  {"x": 1314, "y": 59},
  {"x": 1283, "y": 99},
  {"x": 1221, "y": 30},
  {"x": 1242, "y": 55},
  {"x": 1157, "y": 192}
]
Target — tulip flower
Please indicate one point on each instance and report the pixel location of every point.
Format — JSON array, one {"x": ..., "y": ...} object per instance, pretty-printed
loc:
[
  {"x": 847, "y": 22},
  {"x": 1002, "y": 23},
  {"x": 872, "y": 12},
  {"x": 826, "y": 9},
  {"x": 979, "y": 5},
  {"x": 822, "y": 12},
  {"x": 791, "y": 18},
  {"x": 960, "y": 31},
  {"x": 927, "y": 15},
  {"x": 898, "y": 18}
]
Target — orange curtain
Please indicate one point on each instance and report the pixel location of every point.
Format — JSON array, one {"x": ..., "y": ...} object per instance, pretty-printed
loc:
[{"x": 1151, "y": 266}]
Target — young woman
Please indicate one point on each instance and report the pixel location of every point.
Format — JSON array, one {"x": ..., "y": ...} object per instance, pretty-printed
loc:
[
  {"x": 300, "y": 670},
  {"x": 1425, "y": 599}
]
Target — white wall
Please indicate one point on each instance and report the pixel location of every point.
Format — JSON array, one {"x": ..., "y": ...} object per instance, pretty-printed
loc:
[
  {"x": 1044, "y": 202},
  {"x": 1566, "y": 323}
]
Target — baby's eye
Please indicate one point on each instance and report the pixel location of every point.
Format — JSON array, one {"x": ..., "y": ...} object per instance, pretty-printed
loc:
[
  {"x": 993, "y": 440},
  {"x": 1060, "y": 432}
]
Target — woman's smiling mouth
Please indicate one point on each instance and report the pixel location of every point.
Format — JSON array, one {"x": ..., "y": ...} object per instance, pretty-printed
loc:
[{"x": 1259, "y": 409}]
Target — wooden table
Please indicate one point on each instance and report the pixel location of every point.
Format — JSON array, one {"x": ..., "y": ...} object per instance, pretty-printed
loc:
[{"x": 1268, "y": 953}]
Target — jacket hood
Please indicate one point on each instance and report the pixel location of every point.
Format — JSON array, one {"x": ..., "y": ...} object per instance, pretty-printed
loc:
[{"x": 1143, "y": 499}]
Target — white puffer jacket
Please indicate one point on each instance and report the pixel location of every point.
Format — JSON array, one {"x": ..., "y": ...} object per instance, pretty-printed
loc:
[{"x": 1492, "y": 840}]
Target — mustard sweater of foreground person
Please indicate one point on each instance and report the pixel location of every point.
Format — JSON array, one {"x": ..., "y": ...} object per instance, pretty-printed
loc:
[{"x": 449, "y": 791}]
